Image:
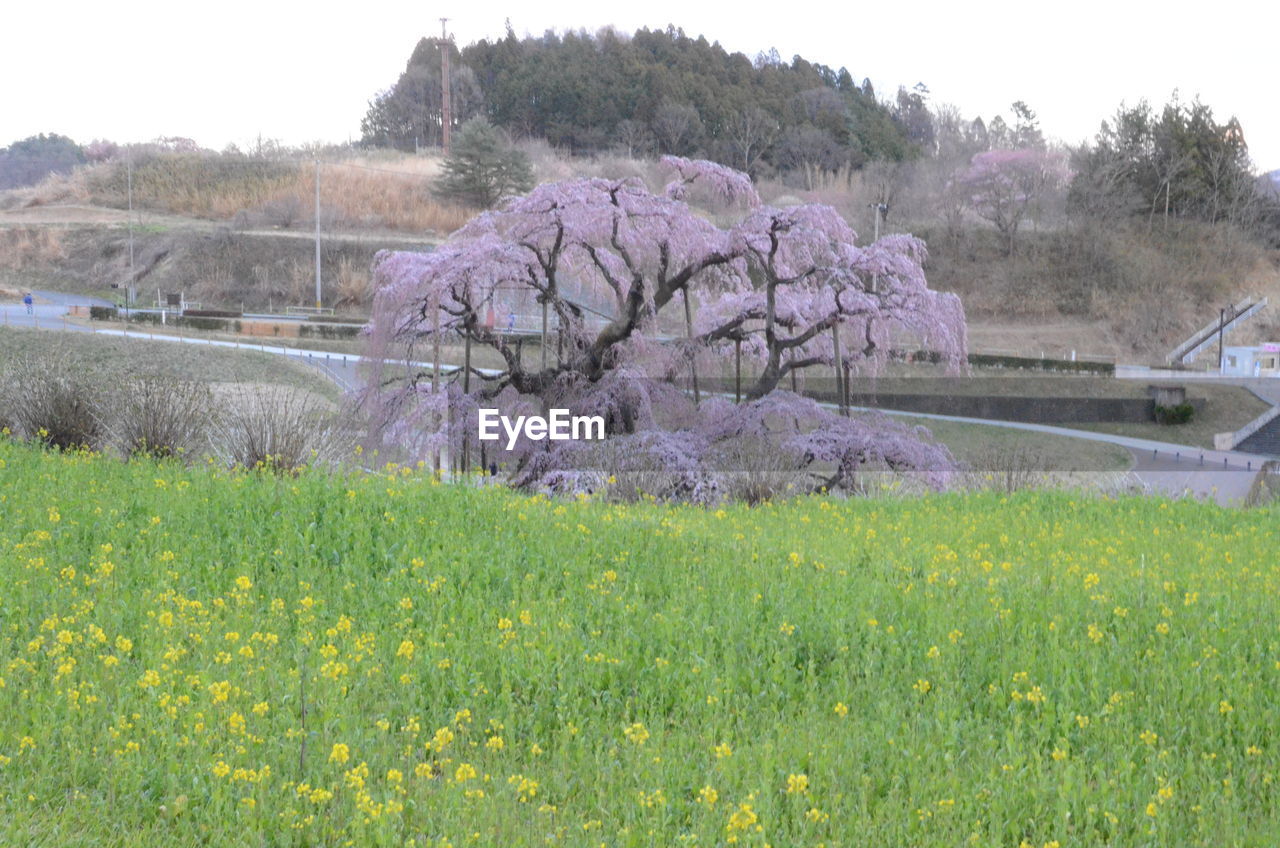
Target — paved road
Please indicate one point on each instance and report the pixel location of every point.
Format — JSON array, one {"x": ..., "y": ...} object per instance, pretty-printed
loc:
[
  {"x": 1163, "y": 467},
  {"x": 60, "y": 216},
  {"x": 48, "y": 310}
]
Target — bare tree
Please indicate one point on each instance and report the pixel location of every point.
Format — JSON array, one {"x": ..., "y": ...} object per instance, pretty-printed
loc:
[
  {"x": 634, "y": 137},
  {"x": 750, "y": 133},
  {"x": 677, "y": 127},
  {"x": 810, "y": 151}
]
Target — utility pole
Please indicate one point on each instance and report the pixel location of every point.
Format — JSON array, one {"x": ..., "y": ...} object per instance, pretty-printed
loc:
[
  {"x": 128, "y": 289},
  {"x": 446, "y": 107},
  {"x": 693, "y": 353},
  {"x": 435, "y": 366},
  {"x": 1222, "y": 327},
  {"x": 318, "y": 299},
  {"x": 880, "y": 208}
]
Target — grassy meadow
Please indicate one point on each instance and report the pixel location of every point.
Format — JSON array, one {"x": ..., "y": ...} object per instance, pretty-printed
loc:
[{"x": 190, "y": 656}]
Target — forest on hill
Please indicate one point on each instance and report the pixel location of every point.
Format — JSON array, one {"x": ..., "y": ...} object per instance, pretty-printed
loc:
[{"x": 657, "y": 91}]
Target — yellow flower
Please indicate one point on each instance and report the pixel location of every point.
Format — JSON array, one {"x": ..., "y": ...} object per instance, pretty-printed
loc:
[
  {"x": 405, "y": 650},
  {"x": 708, "y": 796},
  {"x": 636, "y": 733},
  {"x": 723, "y": 750},
  {"x": 464, "y": 772},
  {"x": 495, "y": 743},
  {"x": 340, "y": 753},
  {"x": 742, "y": 818},
  {"x": 1225, "y": 707},
  {"x": 797, "y": 784},
  {"x": 841, "y": 710},
  {"x": 922, "y": 686},
  {"x": 1149, "y": 737},
  {"x": 243, "y": 583}
]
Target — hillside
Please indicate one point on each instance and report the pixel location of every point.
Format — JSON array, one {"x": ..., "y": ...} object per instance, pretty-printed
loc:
[{"x": 218, "y": 229}]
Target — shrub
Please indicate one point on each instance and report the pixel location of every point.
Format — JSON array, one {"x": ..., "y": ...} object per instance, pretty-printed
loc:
[
  {"x": 103, "y": 313},
  {"x": 1010, "y": 468},
  {"x": 330, "y": 331},
  {"x": 754, "y": 473},
  {"x": 160, "y": 417},
  {"x": 8, "y": 423},
  {"x": 1266, "y": 486},
  {"x": 1179, "y": 414},
  {"x": 52, "y": 401},
  {"x": 200, "y": 323},
  {"x": 282, "y": 429}
]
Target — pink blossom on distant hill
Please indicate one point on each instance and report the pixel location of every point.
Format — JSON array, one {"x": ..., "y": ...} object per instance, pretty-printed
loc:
[{"x": 1003, "y": 185}]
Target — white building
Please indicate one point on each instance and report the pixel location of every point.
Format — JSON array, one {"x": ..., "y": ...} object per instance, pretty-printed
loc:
[{"x": 1257, "y": 361}]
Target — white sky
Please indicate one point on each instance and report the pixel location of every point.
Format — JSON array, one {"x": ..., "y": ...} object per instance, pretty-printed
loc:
[{"x": 228, "y": 71}]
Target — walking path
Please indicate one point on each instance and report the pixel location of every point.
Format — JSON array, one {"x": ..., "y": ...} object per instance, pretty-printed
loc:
[{"x": 1164, "y": 467}]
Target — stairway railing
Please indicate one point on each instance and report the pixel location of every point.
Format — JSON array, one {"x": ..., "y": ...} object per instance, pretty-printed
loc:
[
  {"x": 1228, "y": 441},
  {"x": 1241, "y": 311}
]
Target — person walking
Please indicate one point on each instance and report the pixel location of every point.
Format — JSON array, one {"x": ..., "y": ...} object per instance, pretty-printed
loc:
[{"x": 30, "y": 303}]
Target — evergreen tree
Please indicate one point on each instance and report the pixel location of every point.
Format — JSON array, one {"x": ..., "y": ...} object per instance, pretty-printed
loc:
[{"x": 483, "y": 167}]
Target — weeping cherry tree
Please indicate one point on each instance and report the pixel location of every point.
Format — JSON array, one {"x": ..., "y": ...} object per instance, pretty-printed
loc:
[{"x": 638, "y": 286}]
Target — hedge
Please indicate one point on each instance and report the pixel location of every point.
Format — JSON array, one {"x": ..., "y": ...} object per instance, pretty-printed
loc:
[
  {"x": 330, "y": 331},
  {"x": 985, "y": 360}
]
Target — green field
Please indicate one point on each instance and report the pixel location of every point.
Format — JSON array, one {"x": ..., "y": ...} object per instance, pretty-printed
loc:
[{"x": 197, "y": 657}]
